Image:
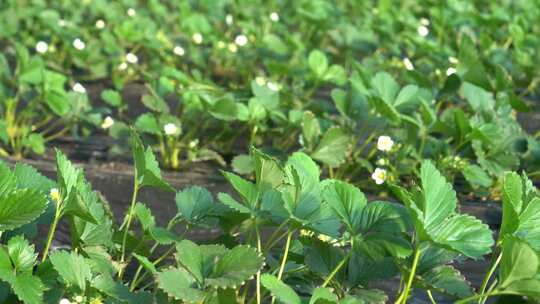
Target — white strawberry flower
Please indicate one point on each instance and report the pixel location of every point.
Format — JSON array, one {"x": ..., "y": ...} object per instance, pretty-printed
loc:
[
  {"x": 79, "y": 44},
  {"x": 54, "y": 194},
  {"x": 197, "y": 38},
  {"x": 62, "y": 23},
  {"x": 123, "y": 66},
  {"x": 424, "y": 21},
  {"x": 423, "y": 31},
  {"x": 170, "y": 129},
  {"x": 272, "y": 86},
  {"x": 100, "y": 24},
  {"x": 453, "y": 60},
  {"x": 42, "y": 47},
  {"x": 131, "y": 12},
  {"x": 450, "y": 71},
  {"x": 241, "y": 40},
  {"x": 379, "y": 176},
  {"x": 229, "y": 19},
  {"x": 274, "y": 16},
  {"x": 77, "y": 87},
  {"x": 408, "y": 64},
  {"x": 385, "y": 143},
  {"x": 79, "y": 299},
  {"x": 178, "y": 50},
  {"x": 64, "y": 301},
  {"x": 107, "y": 122},
  {"x": 132, "y": 58}
]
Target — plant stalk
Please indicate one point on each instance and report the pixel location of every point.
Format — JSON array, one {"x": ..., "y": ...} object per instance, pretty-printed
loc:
[
  {"x": 128, "y": 223},
  {"x": 52, "y": 230},
  {"x": 336, "y": 269},
  {"x": 407, "y": 289}
]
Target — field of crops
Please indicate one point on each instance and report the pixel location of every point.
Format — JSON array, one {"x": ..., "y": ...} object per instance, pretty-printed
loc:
[{"x": 254, "y": 151}]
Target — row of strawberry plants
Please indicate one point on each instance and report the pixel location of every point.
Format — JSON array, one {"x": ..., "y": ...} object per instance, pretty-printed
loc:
[
  {"x": 327, "y": 242},
  {"x": 291, "y": 76}
]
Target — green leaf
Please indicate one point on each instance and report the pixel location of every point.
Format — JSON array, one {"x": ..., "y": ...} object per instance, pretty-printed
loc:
[
  {"x": 439, "y": 199},
  {"x": 20, "y": 207},
  {"x": 235, "y": 267},
  {"x": 529, "y": 224},
  {"x": 336, "y": 74},
  {"x": 146, "y": 165},
  {"x": 478, "y": 98},
  {"x": 22, "y": 254},
  {"x": 311, "y": 129},
  {"x": 268, "y": 172},
  {"x": 465, "y": 234},
  {"x": 528, "y": 287},
  {"x": 35, "y": 142},
  {"x": 68, "y": 175},
  {"x": 323, "y": 295},
  {"x": 146, "y": 263},
  {"x": 145, "y": 217},
  {"x": 280, "y": 290},
  {"x": 195, "y": 204},
  {"x": 119, "y": 291},
  {"x": 28, "y": 177},
  {"x": 72, "y": 268},
  {"x": 347, "y": 201},
  {"x": 385, "y": 86},
  {"x": 112, "y": 97},
  {"x": 512, "y": 193},
  {"x": 247, "y": 190},
  {"x": 518, "y": 262},
  {"x": 155, "y": 103},
  {"x": 177, "y": 283},
  {"x": 224, "y": 109},
  {"x": 318, "y": 63},
  {"x": 147, "y": 123},
  {"x": 333, "y": 147},
  {"x": 477, "y": 177},
  {"x": 447, "y": 280},
  {"x": 243, "y": 164},
  {"x": 7, "y": 179},
  {"x": 28, "y": 288},
  {"x": 406, "y": 97},
  {"x": 191, "y": 257}
]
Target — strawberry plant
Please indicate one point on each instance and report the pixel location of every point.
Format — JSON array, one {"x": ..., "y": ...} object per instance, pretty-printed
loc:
[{"x": 286, "y": 236}]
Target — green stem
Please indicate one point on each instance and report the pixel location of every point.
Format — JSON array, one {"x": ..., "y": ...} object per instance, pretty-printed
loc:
[
  {"x": 259, "y": 249},
  {"x": 485, "y": 282},
  {"x": 285, "y": 254},
  {"x": 336, "y": 269},
  {"x": 431, "y": 298},
  {"x": 411, "y": 276},
  {"x": 478, "y": 296},
  {"x": 51, "y": 232},
  {"x": 128, "y": 223}
]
